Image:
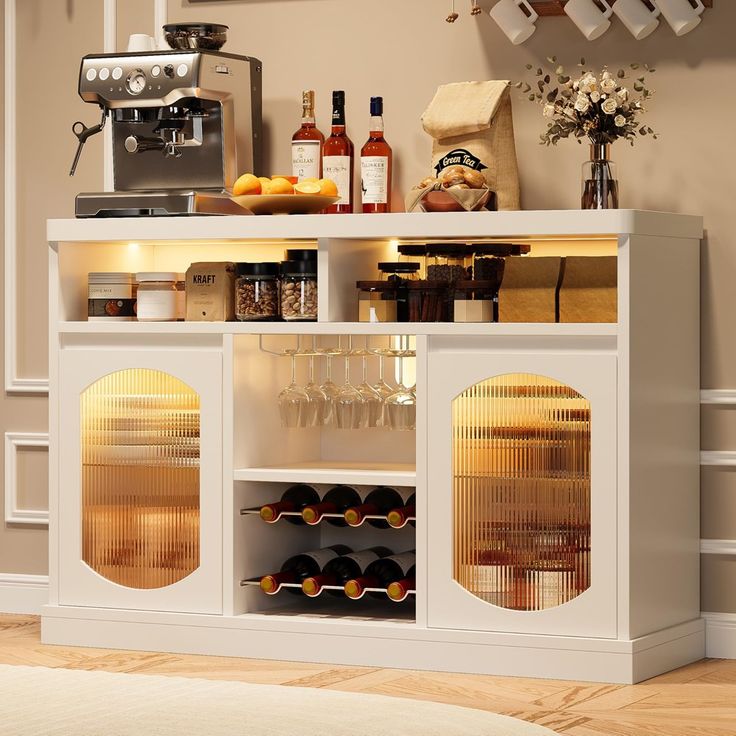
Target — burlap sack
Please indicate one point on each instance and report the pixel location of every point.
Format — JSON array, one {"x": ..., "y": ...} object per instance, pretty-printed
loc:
[{"x": 472, "y": 125}]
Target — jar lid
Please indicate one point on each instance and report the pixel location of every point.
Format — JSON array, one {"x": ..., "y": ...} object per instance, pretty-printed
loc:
[
  {"x": 413, "y": 249},
  {"x": 156, "y": 276},
  {"x": 299, "y": 268},
  {"x": 499, "y": 249},
  {"x": 111, "y": 277},
  {"x": 458, "y": 250},
  {"x": 301, "y": 254},
  {"x": 258, "y": 269},
  {"x": 375, "y": 286},
  {"x": 399, "y": 267}
]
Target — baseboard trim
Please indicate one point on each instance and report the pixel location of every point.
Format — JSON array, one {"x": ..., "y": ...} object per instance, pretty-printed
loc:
[
  {"x": 720, "y": 635},
  {"x": 23, "y": 593}
]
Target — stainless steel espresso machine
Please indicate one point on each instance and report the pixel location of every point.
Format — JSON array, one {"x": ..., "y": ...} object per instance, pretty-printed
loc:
[{"x": 185, "y": 123}]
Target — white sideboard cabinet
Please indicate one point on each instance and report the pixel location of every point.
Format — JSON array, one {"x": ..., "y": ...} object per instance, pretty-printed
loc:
[{"x": 554, "y": 465}]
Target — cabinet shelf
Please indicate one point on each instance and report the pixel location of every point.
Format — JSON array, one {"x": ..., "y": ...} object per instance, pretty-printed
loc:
[
  {"x": 570, "y": 329},
  {"x": 360, "y": 474}
]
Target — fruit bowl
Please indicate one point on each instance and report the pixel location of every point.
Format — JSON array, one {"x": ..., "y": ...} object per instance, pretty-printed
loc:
[{"x": 284, "y": 204}]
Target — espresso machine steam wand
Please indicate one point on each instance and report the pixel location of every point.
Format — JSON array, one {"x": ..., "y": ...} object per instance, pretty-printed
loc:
[{"x": 83, "y": 133}]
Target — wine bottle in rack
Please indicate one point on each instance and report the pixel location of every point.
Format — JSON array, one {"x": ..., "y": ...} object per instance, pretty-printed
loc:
[
  {"x": 299, "y": 567},
  {"x": 379, "y": 502},
  {"x": 399, "y": 590},
  {"x": 398, "y": 517},
  {"x": 380, "y": 574},
  {"x": 336, "y": 501},
  {"x": 341, "y": 569},
  {"x": 295, "y": 498}
]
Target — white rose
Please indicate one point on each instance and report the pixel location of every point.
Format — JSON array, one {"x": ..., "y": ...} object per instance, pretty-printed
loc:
[
  {"x": 620, "y": 121},
  {"x": 608, "y": 84},
  {"x": 610, "y": 106},
  {"x": 588, "y": 83},
  {"x": 549, "y": 111},
  {"x": 623, "y": 94},
  {"x": 582, "y": 104},
  {"x": 595, "y": 96}
]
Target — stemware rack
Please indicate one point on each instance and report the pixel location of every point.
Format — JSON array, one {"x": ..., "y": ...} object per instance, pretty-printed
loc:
[{"x": 339, "y": 351}]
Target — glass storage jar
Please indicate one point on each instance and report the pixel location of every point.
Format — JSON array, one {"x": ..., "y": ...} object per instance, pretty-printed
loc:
[
  {"x": 157, "y": 296},
  {"x": 489, "y": 258},
  {"x": 257, "y": 291},
  {"x": 476, "y": 301},
  {"x": 377, "y": 301},
  {"x": 111, "y": 296},
  {"x": 400, "y": 273},
  {"x": 448, "y": 262},
  {"x": 427, "y": 301},
  {"x": 299, "y": 290},
  {"x": 416, "y": 253}
]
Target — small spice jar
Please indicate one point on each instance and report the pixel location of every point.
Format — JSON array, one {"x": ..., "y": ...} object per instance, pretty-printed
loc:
[
  {"x": 299, "y": 290},
  {"x": 400, "y": 274},
  {"x": 157, "y": 296},
  {"x": 475, "y": 301},
  {"x": 110, "y": 297},
  {"x": 377, "y": 301},
  {"x": 257, "y": 291}
]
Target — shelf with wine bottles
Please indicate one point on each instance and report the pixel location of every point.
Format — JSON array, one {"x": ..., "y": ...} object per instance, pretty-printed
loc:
[
  {"x": 339, "y": 589},
  {"x": 256, "y": 511}
]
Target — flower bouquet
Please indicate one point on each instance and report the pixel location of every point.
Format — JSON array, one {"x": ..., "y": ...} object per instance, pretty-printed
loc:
[{"x": 601, "y": 108}]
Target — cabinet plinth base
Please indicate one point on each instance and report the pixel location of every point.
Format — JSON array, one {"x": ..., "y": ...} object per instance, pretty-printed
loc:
[{"x": 379, "y": 644}]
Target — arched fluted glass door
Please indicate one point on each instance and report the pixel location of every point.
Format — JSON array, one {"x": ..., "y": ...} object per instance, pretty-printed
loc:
[
  {"x": 140, "y": 440},
  {"x": 521, "y": 491}
]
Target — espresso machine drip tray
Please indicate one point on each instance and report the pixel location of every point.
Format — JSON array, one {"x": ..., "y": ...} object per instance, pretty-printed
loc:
[{"x": 156, "y": 204}]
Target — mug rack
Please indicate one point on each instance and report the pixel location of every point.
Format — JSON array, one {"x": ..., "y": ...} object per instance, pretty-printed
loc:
[{"x": 555, "y": 7}]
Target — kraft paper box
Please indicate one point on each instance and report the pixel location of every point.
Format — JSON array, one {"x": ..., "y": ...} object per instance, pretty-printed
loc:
[
  {"x": 210, "y": 292},
  {"x": 589, "y": 289},
  {"x": 529, "y": 289}
]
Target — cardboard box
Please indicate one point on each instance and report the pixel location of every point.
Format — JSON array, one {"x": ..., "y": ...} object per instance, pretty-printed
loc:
[
  {"x": 589, "y": 289},
  {"x": 529, "y": 289}
]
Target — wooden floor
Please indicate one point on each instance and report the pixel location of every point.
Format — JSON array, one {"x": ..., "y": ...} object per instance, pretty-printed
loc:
[{"x": 699, "y": 700}]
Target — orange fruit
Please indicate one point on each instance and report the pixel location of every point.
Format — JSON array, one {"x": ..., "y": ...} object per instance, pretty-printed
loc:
[
  {"x": 327, "y": 187},
  {"x": 279, "y": 185},
  {"x": 290, "y": 179},
  {"x": 307, "y": 187},
  {"x": 265, "y": 184},
  {"x": 247, "y": 184}
]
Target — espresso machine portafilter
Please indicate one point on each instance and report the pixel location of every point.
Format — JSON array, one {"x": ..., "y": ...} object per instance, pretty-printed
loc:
[{"x": 185, "y": 124}]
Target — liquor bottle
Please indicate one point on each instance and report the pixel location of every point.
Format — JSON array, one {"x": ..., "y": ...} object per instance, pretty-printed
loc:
[
  {"x": 398, "y": 517},
  {"x": 293, "y": 499},
  {"x": 381, "y": 573},
  {"x": 338, "y": 157},
  {"x": 341, "y": 569},
  {"x": 399, "y": 590},
  {"x": 306, "y": 143},
  {"x": 379, "y": 502},
  {"x": 336, "y": 501},
  {"x": 299, "y": 567},
  {"x": 376, "y": 159}
]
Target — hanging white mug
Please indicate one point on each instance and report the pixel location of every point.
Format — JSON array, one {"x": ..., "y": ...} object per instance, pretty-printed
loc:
[
  {"x": 641, "y": 17},
  {"x": 589, "y": 18},
  {"x": 682, "y": 15},
  {"x": 515, "y": 18}
]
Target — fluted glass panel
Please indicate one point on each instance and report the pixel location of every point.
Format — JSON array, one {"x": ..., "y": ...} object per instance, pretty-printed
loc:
[
  {"x": 521, "y": 485},
  {"x": 140, "y": 478}
]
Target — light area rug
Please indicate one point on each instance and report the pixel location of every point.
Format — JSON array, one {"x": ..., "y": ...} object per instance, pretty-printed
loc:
[{"x": 39, "y": 701}]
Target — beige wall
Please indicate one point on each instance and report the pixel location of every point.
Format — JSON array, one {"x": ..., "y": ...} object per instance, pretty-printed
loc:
[{"x": 403, "y": 50}]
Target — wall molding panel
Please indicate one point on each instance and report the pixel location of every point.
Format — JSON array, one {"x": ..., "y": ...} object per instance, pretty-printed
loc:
[
  {"x": 13, "y": 513},
  {"x": 14, "y": 384},
  {"x": 23, "y": 593}
]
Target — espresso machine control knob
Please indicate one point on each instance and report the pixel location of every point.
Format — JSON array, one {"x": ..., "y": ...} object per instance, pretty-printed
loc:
[{"x": 169, "y": 71}]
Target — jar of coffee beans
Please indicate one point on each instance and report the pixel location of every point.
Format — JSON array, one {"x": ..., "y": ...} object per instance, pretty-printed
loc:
[
  {"x": 257, "y": 291},
  {"x": 299, "y": 290}
]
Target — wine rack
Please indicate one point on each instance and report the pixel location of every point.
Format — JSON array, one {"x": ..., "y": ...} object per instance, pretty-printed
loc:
[{"x": 297, "y": 514}]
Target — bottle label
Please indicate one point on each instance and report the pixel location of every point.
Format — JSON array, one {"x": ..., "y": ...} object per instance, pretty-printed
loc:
[
  {"x": 406, "y": 560},
  {"x": 322, "y": 556},
  {"x": 374, "y": 179},
  {"x": 363, "y": 558},
  {"x": 337, "y": 168},
  {"x": 305, "y": 157}
]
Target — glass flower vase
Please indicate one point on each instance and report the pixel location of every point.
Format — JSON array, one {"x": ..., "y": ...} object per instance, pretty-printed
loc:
[{"x": 600, "y": 183}]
